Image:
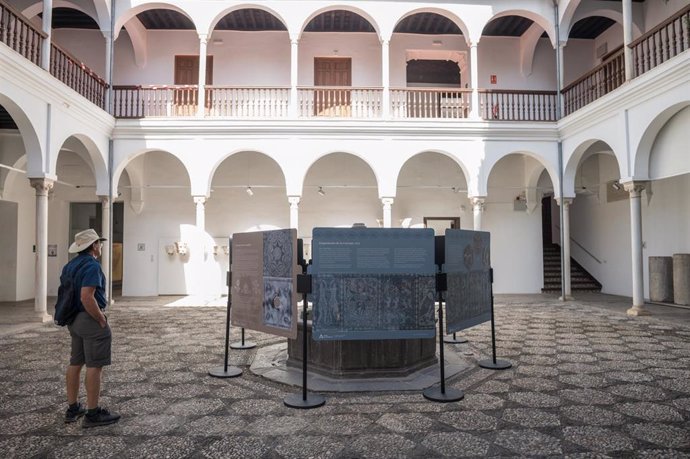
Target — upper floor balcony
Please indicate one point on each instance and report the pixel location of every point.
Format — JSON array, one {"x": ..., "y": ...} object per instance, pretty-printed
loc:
[{"x": 339, "y": 64}]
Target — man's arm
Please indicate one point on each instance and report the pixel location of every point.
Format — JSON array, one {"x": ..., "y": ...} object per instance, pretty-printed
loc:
[{"x": 88, "y": 299}]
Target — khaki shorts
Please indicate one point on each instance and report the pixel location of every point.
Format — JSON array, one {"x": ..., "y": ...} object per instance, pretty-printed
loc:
[{"x": 90, "y": 343}]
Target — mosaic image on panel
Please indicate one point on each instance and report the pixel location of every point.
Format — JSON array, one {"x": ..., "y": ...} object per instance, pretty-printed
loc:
[
  {"x": 277, "y": 304},
  {"x": 278, "y": 261},
  {"x": 468, "y": 265},
  {"x": 384, "y": 306}
]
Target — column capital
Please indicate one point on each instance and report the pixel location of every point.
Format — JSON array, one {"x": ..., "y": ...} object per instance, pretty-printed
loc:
[
  {"x": 42, "y": 185},
  {"x": 203, "y": 38},
  {"x": 294, "y": 42},
  {"x": 294, "y": 200},
  {"x": 199, "y": 199},
  {"x": 387, "y": 201},
  {"x": 478, "y": 200},
  {"x": 566, "y": 201},
  {"x": 104, "y": 198},
  {"x": 384, "y": 42},
  {"x": 634, "y": 186}
]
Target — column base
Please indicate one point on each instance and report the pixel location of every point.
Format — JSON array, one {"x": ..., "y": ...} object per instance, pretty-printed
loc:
[
  {"x": 566, "y": 298},
  {"x": 637, "y": 311},
  {"x": 45, "y": 318}
]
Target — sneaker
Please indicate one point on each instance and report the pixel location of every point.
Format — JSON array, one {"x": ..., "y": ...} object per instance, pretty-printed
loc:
[
  {"x": 102, "y": 417},
  {"x": 73, "y": 414}
]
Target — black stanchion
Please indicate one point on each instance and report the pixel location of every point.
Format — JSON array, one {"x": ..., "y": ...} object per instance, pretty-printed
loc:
[
  {"x": 225, "y": 371},
  {"x": 242, "y": 344},
  {"x": 441, "y": 393},
  {"x": 455, "y": 340},
  {"x": 493, "y": 364},
  {"x": 305, "y": 400}
]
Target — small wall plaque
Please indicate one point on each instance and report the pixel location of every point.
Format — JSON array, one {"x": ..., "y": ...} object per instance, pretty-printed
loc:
[
  {"x": 141, "y": 247},
  {"x": 52, "y": 250}
]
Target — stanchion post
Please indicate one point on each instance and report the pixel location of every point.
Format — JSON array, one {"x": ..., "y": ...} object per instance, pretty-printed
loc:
[
  {"x": 305, "y": 400},
  {"x": 225, "y": 371},
  {"x": 493, "y": 363}
]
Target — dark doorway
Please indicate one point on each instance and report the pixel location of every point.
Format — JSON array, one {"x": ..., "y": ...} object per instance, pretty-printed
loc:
[{"x": 546, "y": 220}]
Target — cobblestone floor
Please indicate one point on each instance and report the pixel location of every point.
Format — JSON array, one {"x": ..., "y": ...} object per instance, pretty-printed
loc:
[{"x": 586, "y": 382}]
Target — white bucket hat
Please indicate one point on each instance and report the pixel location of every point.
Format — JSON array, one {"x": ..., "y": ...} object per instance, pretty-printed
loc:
[{"x": 84, "y": 239}]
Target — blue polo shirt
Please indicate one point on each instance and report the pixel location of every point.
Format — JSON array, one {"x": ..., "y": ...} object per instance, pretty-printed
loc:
[{"x": 88, "y": 274}]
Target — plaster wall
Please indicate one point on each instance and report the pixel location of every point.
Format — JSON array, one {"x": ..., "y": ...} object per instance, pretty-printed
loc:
[
  {"x": 612, "y": 37},
  {"x": 669, "y": 151},
  {"x": 8, "y": 248},
  {"x": 578, "y": 59},
  {"x": 500, "y": 56},
  {"x": 657, "y": 12},
  {"x": 21, "y": 193}
]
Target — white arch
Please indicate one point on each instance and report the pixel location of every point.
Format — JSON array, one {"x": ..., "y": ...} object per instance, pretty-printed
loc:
[
  {"x": 214, "y": 167},
  {"x": 581, "y": 153},
  {"x": 460, "y": 164},
  {"x": 545, "y": 23},
  {"x": 588, "y": 10},
  {"x": 441, "y": 12},
  {"x": 243, "y": 6},
  {"x": 489, "y": 165},
  {"x": 37, "y": 8},
  {"x": 120, "y": 167},
  {"x": 33, "y": 147},
  {"x": 320, "y": 156},
  {"x": 123, "y": 17},
  {"x": 334, "y": 7},
  {"x": 96, "y": 159}
]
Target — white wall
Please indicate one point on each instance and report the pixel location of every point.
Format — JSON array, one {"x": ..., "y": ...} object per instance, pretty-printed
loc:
[
  {"x": 86, "y": 45},
  {"x": 656, "y": 12},
  {"x": 612, "y": 37},
  {"x": 578, "y": 59},
  {"x": 669, "y": 152},
  {"x": 500, "y": 56}
]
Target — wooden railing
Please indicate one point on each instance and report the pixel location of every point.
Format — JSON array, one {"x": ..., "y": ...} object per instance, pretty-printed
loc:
[
  {"x": 507, "y": 105},
  {"x": 339, "y": 102},
  {"x": 155, "y": 101},
  {"x": 601, "y": 80},
  {"x": 77, "y": 76},
  {"x": 430, "y": 103},
  {"x": 19, "y": 34},
  {"x": 247, "y": 102},
  {"x": 663, "y": 42}
]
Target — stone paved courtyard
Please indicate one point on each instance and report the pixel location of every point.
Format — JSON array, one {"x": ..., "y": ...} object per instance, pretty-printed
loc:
[{"x": 587, "y": 381}]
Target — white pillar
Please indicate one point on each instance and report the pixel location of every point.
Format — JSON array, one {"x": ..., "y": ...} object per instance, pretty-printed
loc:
[
  {"x": 561, "y": 72},
  {"x": 387, "y": 203},
  {"x": 567, "y": 293},
  {"x": 627, "y": 39},
  {"x": 294, "y": 211},
  {"x": 477, "y": 211},
  {"x": 201, "y": 105},
  {"x": 200, "y": 202},
  {"x": 47, "y": 28},
  {"x": 635, "y": 190},
  {"x": 294, "y": 103},
  {"x": 385, "y": 79},
  {"x": 106, "y": 34},
  {"x": 105, "y": 250},
  {"x": 43, "y": 187},
  {"x": 474, "y": 81}
]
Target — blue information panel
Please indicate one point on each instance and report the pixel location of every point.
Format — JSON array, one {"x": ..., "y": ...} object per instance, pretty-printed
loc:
[
  {"x": 468, "y": 267},
  {"x": 373, "y": 283}
]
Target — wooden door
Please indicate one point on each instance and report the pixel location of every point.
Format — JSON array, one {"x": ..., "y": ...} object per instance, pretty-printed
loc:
[
  {"x": 187, "y": 73},
  {"x": 332, "y": 72}
]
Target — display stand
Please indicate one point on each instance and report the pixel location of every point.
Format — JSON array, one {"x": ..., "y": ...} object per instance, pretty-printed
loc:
[
  {"x": 304, "y": 400},
  {"x": 455, "y": 340},
  {"x": 440, "y": 393},
  {"x": 242, "y": 344},
  {"x": 226, "y": 371},
  {"x": 493, "y": 364}
]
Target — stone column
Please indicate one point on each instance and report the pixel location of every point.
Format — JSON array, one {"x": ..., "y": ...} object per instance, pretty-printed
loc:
[
  {"x": 105, "y": 250},
  {"x": 681, "y": 278},
  {"x": 661, "y": 279},
  {"x": 47, "y": 29},
  {"x": 294, "y": 102},
  {"x": 474, "y": 81},
  {"x": 200, "y": 202},
  {"x": 294, "y": 211},
  {"x": 561, "y": 72},
  {"x": 627, "y": 39},
  {"x": 43, "y": 187},
  {"x": 387, "y": 204},
  {"x": 201, "y": 101},
  {"x": 567, "y": 293},
  {"x": 477, "y": 211},
  {"x": 107, "y": 75},
  {"x": 635, "y": 190},
  {"x": 385, "y": 79}
]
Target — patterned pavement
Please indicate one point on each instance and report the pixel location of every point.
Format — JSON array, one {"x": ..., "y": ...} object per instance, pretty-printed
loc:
[{"x": 587, "y": 381}]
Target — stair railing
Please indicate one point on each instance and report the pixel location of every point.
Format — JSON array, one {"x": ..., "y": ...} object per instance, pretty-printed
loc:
[{"x": 583, "y": 248}]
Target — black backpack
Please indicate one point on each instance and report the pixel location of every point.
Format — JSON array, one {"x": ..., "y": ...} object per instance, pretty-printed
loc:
[{"x": 67, "y": 306}]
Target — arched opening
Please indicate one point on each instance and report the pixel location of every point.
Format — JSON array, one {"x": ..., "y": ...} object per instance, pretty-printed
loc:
[
  {"x": 432, "y": 191},
  {"x": 158, "y": 212}
]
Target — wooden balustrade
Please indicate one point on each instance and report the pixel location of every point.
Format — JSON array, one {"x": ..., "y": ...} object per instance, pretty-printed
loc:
[
  {"x": 339, "y": 102},
  {"x": 247, "y": 102},
  {"x": 517, "y": 105},
  {"x": 77, "y": 76},
  {"x": 599, "y": 81},
  {"x": 663, "y": 42},
  {"x": 19, "y": 34},
  {"x": 430, "y": 103},
  {"x": 155, "y": 101}
]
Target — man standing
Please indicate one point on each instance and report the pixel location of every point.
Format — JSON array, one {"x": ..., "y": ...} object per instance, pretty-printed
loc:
[{"x": 91, "y": 335}]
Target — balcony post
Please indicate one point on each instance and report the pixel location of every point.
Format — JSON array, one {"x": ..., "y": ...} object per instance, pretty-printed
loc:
[
  {"x": 627, "y": 39},
  {"x": 385, "y": 79},
  {"x": 474, "y": 83},
  {"x": 567, "y": 291},
  {"x": 47, "y": 27},
  {"x": 201, "y": 99},
  {"x": 477, "y": 211},
  {"x": 387, "y": 217},
  {"x": 635, "y": 189},
  {"x": 43, "y": 186},
  {"x": 294, "y": 211},
  {"x": 294, "y": 48}
]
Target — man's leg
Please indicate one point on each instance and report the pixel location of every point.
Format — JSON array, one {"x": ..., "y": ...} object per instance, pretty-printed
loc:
[
  {"x": 72, "y": 378},
  {"x": 93, "y": 386}
]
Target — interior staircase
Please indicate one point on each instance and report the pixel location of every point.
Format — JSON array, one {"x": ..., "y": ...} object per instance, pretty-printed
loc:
[{"x": 580, "y": 280}]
